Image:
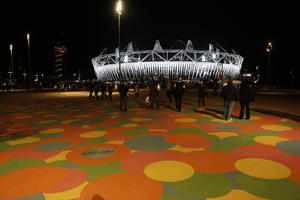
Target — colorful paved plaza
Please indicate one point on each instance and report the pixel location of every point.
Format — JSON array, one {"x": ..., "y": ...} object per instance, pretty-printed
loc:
[{"x": 62, "y": 147}]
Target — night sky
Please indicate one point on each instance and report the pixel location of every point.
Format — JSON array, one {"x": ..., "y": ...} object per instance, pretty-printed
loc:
[{"x": 87, "y": 27}]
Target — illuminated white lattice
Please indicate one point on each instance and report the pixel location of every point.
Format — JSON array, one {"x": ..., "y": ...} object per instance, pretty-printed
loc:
[{"x": 190, "y": 63}]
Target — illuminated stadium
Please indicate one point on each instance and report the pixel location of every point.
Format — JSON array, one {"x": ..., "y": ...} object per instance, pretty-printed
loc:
[{"x": 186, "y": 62}]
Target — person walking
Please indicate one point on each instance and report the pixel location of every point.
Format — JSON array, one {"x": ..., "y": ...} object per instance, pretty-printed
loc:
[
  {"x": 103, "y": 90},
  {"x": 215, "y": 88},
  {"x": 247, "y": 95},
  {"x": 230, "y": 94},
  {"x": 110, "y": 89},
  {"x": 96, "y": 89},
  {"x": 136, "y": 90},
  {"x": 123, "y": 89},
  {"x": 91, "y": 90},
  {"x": 153, "y": 94},
  {"x": 170, "y": 88},
  {"x": 201, "y": 95},
  {"x": 178, "y": 92}
]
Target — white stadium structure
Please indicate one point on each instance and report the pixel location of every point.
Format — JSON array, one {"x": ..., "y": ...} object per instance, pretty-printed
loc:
[{"x": 188, "y": 62}]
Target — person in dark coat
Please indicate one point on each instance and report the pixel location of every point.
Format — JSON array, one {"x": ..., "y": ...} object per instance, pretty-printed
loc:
[
  {"x": 170, "y": 89},
  {"x": 96, "y": 89},
  {"x": 123, "y": 89},
  {"x": 230, "y": 94},
  {"x": 246, "y": 94},
  {"x": 201, "y": 95},
  {"x": 110, "y": 89},
  {"x": 153, "y": 94},
  {"x": 91, "y": 89},
  {"x": 178, "y": 92},
  {"x": 103, "y": 90},
  {"x": 215, "y": 88}
]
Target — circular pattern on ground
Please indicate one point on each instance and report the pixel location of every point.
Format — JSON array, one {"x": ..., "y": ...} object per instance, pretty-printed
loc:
[
  {"x": 274, "y": 127},
  {"x": 148, "y": 143},
  {"x": 262, "y": 168},
  {"x": 169, "y": 171},
  {"x": 51, "y": 131},
  {"x": 190, "y": 140},
  {"x": 269, "y": 189},
  {"x": 92, "y": 134},
  {"x": 52, "y": 146},
  {"x": 137, "y": 161},
  {"x": 123, "y": 186},
  {"x": 130, "y": 125},
  {"x": 38, "y": 179},
  {"x": 292, "y": 147},
  {"x": 185, "y": 120},
  {"x": 269, "y": 140},
  {"x": 228, "y": 128},
  {"x": 209, "y": 161},
  {"x": 98, "y": 152},
  {"x": 237, "y": 195},
  {"x": 139, "y": 119},
  {"x": 75, "y": 156},
  {"x": 204, "y": 186}
]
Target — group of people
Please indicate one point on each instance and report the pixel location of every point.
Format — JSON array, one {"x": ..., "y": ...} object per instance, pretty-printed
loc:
[
  {"x": 245, "y": 95},
  {"x": 95, "y": 86},
  {"x": 175, "y": 89}
]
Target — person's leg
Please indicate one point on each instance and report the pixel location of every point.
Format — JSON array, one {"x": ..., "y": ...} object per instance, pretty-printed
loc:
[
  {"x": 121, "y": 103},
  {"x": 125, "y": 104},
  {"x": 176, "y": 102},
  {"x": 151, "y": 102},
  {"x": 169, "y": 96},
  {"x": 157, "y": 103},
  {"x": 199, "y": 101},
  {"x": 242, "y": 109},
  {"x": 203, "y": 101},
  {"x": 179, "y": 103},
  {"x": 230, "y": 108},
  {"x": 225, "y": 110},
  {"x": 247, "y": 110}
]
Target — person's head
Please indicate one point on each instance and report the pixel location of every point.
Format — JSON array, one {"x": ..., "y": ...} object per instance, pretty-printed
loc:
[{"x": 229, "y": 82}]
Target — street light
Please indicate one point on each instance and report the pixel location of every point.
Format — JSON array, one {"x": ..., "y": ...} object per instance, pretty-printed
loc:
[
  {"x": 268, "y": 50},
  {"x": 119, "y": 9},
  {"x": 29, "y": 59},
  {"x": 12, "y": 63}
]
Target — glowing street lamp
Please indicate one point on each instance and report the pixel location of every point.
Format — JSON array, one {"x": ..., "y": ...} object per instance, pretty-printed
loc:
[
  {"x": 29, "y": 59},
  {"x": 269, "y": 50},
  {"x": 119, "y": 9},
  {"x": 12, "y": 63}
]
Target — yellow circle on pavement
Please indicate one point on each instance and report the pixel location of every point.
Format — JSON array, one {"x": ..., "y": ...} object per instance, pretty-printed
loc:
[
  {"x": 51, "y": 131},
  {"x": 269, "y": 140},
  {"x": 237, "y": 195},
  {"x": 262, "y": 168},
  {"x": 255, "y": 118},
  {"x": 139, "y": 119},
  {"x": 185, "y": 120},
  {"x": 271, "y": 127},
  {"x": 130, "y": 125},
  {"x": 92, "y": 134},
  {"x": 169, "y": 171}
]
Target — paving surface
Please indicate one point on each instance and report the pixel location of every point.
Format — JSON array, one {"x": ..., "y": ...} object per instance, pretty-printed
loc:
[{"x": 63, "y": 146}]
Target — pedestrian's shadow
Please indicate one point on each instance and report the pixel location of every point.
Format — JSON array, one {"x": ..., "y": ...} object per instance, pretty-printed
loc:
[{"x": 211, "y": 112}]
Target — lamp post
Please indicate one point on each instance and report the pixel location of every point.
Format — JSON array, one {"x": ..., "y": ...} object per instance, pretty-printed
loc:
[
  {"x": 29, "y": 59},
  {"x": 268, "y": 50},
  {"x": 119, "y": 9},
  {"x": 12, "y": 63}
]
